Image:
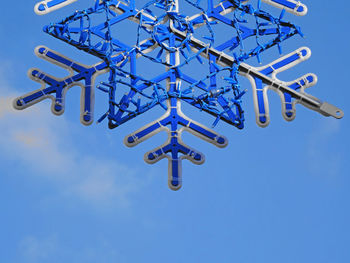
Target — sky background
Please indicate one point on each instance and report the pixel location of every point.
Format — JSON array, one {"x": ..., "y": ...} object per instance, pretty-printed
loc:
[{"x": 71, "y": 193}]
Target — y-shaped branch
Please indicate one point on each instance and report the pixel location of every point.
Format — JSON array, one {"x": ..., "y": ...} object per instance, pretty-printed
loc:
[{"x": 51, "y": 85}]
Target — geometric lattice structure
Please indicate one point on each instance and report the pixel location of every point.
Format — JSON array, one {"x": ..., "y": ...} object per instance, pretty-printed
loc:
[{"x": 169, "y": 38}]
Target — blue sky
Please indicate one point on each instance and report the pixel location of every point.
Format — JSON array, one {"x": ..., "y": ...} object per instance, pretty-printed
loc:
[{"x": 71, "y": 193}]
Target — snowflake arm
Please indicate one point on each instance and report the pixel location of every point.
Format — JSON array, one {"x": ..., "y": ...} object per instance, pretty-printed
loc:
[
  {"x": 260, "y": 77},
  {"x": 292, "y": 6},
  {"x": 48, "y": 6},
  {"x": 56, "y": 88},
  {"x": 174, "y": 149}
]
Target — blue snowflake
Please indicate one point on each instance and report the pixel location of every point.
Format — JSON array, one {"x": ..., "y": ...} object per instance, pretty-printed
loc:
[{"x": 167, "y": 37}]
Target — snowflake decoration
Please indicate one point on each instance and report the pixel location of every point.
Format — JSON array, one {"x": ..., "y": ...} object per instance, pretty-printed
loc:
[{"x": 167, "y": 37}]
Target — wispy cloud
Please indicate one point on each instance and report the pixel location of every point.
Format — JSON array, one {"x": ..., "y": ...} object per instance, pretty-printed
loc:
[
  {"x": 33, "y": 249},
  {"x": 322, "y": 158},
  {"x": 45, "y": 144},
  {"x": 45, "y": 248}
]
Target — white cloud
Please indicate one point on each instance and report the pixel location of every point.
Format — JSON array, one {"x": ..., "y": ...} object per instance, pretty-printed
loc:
[
  {"x": 47, "y": 248},
  {"x": 33, "y": 249},
  {"x": 45, "y": 144},
  {"x": 322, "y": 158}
]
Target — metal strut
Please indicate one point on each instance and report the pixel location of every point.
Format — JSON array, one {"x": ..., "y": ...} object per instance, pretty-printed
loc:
[{"x": 309, "y": 101}]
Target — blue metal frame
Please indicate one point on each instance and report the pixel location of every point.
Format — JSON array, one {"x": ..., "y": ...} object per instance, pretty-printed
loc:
[{"x": 173, "y": 34}]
